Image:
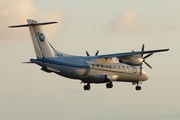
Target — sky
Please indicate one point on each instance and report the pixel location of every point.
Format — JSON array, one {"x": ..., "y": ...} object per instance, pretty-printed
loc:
[{"x": 111, "y": 26}]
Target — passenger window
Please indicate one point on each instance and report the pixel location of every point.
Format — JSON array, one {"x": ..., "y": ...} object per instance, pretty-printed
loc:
[
  {"x": 102, "y": 66},
  {"x": 114, "y": 67},
  {"x": 107, "y": 66},
  {"x": 119, "y": 67}
]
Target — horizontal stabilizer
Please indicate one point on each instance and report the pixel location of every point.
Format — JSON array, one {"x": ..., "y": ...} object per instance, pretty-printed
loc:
[
  {"x": 27, "y": 62},
  {"x": 33, "y": 24}
]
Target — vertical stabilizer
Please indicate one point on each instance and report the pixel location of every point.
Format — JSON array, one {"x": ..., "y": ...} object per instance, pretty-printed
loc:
[{"x": 41, "y": 45}]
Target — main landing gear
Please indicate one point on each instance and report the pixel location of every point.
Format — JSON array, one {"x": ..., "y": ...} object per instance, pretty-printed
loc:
[
  {"x": 87, "y": 87},
  {"x": 109, "y": 85}
]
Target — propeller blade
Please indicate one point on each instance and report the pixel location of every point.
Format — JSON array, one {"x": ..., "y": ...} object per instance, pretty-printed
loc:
[
  {"x": 87, "y": 53},
  {"x": 142, "y": 50},
  {"x": 147, "y": 55},
  {"x": 142, "y": 47},
  {"x": 147, "y": 64},
  {"x": 97, "y": 53}
]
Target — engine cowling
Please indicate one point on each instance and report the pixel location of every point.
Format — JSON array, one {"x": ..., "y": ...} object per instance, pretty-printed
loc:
[{"x": 131, "y": 60}]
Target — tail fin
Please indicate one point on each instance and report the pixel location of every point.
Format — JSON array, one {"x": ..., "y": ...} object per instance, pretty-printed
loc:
[{"x": 42, "y": 47}]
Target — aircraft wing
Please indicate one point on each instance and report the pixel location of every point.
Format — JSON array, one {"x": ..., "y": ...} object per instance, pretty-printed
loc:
[{"x": 126, "y": 54}]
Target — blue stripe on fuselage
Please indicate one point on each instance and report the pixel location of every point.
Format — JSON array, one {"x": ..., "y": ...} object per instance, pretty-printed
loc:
[{"x": 51, "y": 61}]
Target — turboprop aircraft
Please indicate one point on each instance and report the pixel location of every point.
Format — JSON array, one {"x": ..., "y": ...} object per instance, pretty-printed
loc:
[{"x": 108, "y": 68}]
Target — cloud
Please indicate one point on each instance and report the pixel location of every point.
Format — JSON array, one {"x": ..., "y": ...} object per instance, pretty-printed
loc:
[
  {"x": 129, "y": 20},
  {"x": 16, "y": 12}
]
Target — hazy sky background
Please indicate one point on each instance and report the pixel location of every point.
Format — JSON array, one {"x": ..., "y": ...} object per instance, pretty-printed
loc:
[{"x": 111, "y": 26}]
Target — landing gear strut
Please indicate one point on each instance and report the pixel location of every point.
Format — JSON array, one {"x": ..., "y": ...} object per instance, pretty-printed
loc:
[
  {"x": 87, "y": 87},
  {"x": 109, "y": 85}
]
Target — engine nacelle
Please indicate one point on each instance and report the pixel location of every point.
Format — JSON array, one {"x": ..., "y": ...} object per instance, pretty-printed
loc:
[{"x": 131, "y": 60}]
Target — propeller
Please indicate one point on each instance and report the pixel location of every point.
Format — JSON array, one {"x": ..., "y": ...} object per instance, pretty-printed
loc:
[
  {"x": 95, "y": 54},
  {"x": 87, "y": 53},
  {"x": 144, "y": 59},
  {"x": 142, "y": 50},
  {"x": 147, "y": 57}
]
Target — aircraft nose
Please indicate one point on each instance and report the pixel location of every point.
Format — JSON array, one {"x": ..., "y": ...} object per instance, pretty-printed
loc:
[{"x": 145, "y": 76}]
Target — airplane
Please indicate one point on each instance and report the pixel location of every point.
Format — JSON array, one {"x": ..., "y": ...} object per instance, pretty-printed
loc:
[{"x": 108, "y": 68}]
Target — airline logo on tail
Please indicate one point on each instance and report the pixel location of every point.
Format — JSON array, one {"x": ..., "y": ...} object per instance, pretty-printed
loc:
[{"x": 41, "y": 37}]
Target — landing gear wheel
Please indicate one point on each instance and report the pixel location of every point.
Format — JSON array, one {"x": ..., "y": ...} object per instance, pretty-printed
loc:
[
  {"x": 109, "y": 85},
  {"x": 138, "y": 88},
  {"x": 87, "y": 87}
]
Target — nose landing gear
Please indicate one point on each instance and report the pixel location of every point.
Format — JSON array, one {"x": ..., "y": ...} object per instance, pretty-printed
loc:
[{"x": 138, "y": 87}]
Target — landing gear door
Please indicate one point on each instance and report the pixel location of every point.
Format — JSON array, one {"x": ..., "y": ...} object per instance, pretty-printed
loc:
[{"x": 86, "y": 68}]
